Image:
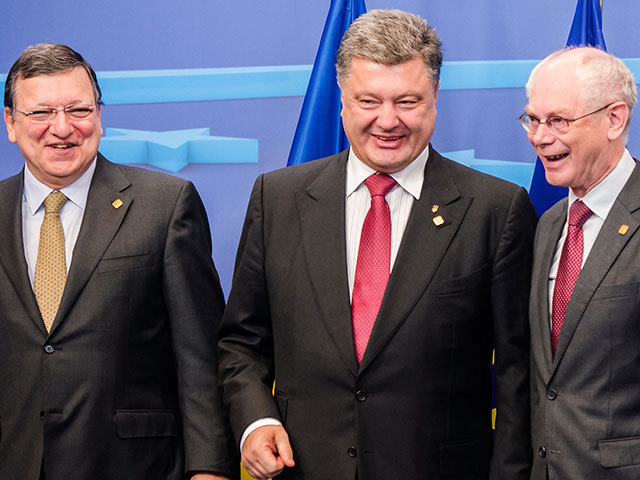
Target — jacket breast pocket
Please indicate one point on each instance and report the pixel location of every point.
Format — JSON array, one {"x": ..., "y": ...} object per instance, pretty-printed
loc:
[
  {"x": 461, "y": 284},
  {"x": 146, "y": 423},
  {"x": 126, "y": 262},
  {"x": 606, "y": 292},
  {"x": 619, "y": 452}
]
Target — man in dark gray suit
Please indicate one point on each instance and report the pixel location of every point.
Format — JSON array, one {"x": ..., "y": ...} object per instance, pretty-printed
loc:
[
  {"x": 412, "y": 399},
  {"x": 585, "y": 308},
  {"x": 109, "y": 302}
]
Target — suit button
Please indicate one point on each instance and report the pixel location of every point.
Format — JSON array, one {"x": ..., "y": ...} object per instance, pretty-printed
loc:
[
  {"x": 361, "y": 395},
  {"x": 542, "y": 452},
  {"x": 352, "y": 452},
  {"x": 42, "y": 414},
  {"x": 552, "y": 394},
  {"x": 49, "y": 349}
]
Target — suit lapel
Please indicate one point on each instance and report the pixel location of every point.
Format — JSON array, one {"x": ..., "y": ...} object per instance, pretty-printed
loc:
[
  {"x": 606, "y": 249},
  {"x": 321, "y": 209},
  {"x": 100, "y": 223},
  {"x": 548, "y": 236},
  {"x": 423, "y": 247},
  {"x": 12, "y": 247}
]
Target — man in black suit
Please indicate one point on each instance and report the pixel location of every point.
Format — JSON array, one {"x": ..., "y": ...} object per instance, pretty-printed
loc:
[
  {"x": 110, "y": 300},
  {"x": 381, "y": 361}
]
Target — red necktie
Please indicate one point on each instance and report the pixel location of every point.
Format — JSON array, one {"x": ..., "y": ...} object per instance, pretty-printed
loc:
[
  {"x": 569, "y": 268},
  {"x": 373, "y": 265}
]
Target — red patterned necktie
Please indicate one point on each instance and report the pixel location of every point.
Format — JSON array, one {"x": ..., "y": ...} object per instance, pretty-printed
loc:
[
  {"x": 569, "y": 268},
  {"x": 373, "y": 265}
]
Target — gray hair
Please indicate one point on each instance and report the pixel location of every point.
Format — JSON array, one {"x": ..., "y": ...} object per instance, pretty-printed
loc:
[
  {"x": 47, "y": 59},
  {"x": 390, "y": 37},
  {"x": 602, "y": 77}
]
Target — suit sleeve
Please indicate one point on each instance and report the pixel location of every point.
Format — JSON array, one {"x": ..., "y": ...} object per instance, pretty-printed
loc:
[
  {"x": 246, "y": 337},
  {"x": 509, "y": 298},
  {"x": 195, "y": 303}
]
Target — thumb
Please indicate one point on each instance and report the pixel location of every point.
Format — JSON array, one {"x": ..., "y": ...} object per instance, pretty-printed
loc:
[{"x": 284, "y": 449}]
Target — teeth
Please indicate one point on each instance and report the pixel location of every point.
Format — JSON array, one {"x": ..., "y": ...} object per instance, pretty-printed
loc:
[
  {"x": 557, "y": 157},
  {"x": 387, "y": 139},
  {"x": 61, "y": 147}
]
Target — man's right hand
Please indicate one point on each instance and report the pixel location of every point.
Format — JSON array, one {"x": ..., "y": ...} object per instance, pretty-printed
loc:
[{"x": 266, "y": 451}]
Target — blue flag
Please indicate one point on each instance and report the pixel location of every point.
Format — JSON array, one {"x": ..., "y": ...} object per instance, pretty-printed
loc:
[
  {"x": 319, "y": 132},
  {"x": 586, "y": 30}
]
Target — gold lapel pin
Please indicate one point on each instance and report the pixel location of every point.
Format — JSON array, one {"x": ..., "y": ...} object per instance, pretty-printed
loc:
[
  {"x": 438, "y": 220},
  {"x": 624, "y": 228},
  {"x": 117, "y": 203},
  {"x": 435, "y": 208}
]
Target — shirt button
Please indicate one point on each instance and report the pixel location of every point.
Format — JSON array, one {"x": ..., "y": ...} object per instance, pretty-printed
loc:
[
  {"x": 49, "y": 349},
  {"x": 552, "y": 394},
  {"x": 542, "y": 452},
  {"x": 352, "y": 452},
  {"x": 361, "y": 395}
]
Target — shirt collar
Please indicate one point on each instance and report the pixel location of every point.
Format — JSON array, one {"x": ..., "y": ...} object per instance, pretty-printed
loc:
[
  {"x": 601, "y": 198},
  {"x": 410, "y": 178},
  {"x": 35, "y": 191}
]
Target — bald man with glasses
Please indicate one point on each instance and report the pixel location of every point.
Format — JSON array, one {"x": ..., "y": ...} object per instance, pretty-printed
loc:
[{"x": 584, "y": 304}]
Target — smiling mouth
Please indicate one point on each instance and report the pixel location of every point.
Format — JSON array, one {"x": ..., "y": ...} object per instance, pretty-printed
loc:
[
  {"x": 388, "y": 139},
  {"x": 554, "y": 158},
  {"x": 62, "y": 146}
]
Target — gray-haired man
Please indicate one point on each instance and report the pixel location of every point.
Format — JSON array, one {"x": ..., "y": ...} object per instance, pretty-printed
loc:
[{"x": 381, "y": 360}]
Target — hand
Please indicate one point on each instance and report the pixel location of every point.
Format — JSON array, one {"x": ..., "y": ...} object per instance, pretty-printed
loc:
[
  {"x": 208, "y": 476},
  {"x": 266, "y": 451}
]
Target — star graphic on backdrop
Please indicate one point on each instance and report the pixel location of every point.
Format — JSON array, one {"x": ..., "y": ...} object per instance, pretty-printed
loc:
[
  {"x": 173, "y": 150},
  {"x": 519, "y": 173}
]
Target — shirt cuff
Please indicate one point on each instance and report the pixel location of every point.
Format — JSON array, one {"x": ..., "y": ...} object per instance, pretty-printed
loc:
[{"x": 261, "y": 422}]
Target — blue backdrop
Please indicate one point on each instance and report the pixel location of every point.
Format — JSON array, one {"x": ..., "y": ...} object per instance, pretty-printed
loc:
[{"x": 233, "y": 74}]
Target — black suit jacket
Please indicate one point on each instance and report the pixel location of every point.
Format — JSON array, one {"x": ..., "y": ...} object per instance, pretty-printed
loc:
[
  {"x": 419, "y": 405},
  {"x": 124, "y": 386}
]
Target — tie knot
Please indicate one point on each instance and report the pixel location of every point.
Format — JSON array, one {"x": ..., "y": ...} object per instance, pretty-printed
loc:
[
  {"x": 578, "y": 214},
  {"x": 54, "y": 201},
  {"x": 379, "y": 184}
]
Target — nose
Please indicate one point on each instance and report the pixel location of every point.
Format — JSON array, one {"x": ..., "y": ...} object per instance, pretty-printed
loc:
[
  {"x": 60, "y": 125},
  {"x": 388, "y": 117},
  {"x": 542, "y": 136}
]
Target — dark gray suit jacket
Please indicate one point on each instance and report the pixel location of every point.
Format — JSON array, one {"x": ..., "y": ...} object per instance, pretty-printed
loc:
[
  {"x": 586, "y": 400},
  {"x": 124, "y": 386},
  {"x": 419, "y": 405}
]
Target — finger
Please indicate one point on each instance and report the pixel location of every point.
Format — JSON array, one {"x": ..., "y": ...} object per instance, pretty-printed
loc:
[
  {"x": 285, "y": 452},
  {"x": 262, "y": 462}
]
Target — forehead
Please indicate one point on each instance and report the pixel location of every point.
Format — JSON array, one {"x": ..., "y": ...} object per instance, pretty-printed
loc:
[
  {"x": 55, "y": 89},
  {"x": 367, "y": 73},
  {"x": 555, "y": 89}
]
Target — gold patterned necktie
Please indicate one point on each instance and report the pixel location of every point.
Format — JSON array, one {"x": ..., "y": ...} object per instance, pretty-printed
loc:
[{"x": 51, "y": 268}]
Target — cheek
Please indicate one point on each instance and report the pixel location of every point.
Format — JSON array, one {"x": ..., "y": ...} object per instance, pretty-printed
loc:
[
  {"x": 31, "y": 136},
  {"x": 90, "y": 131}
]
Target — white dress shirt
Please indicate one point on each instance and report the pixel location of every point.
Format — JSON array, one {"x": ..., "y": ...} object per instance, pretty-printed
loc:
[
  {"x": 400, "y": 199},
  {"x": 599, "y": 199},
  {"x": 33, "y": 194}
]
